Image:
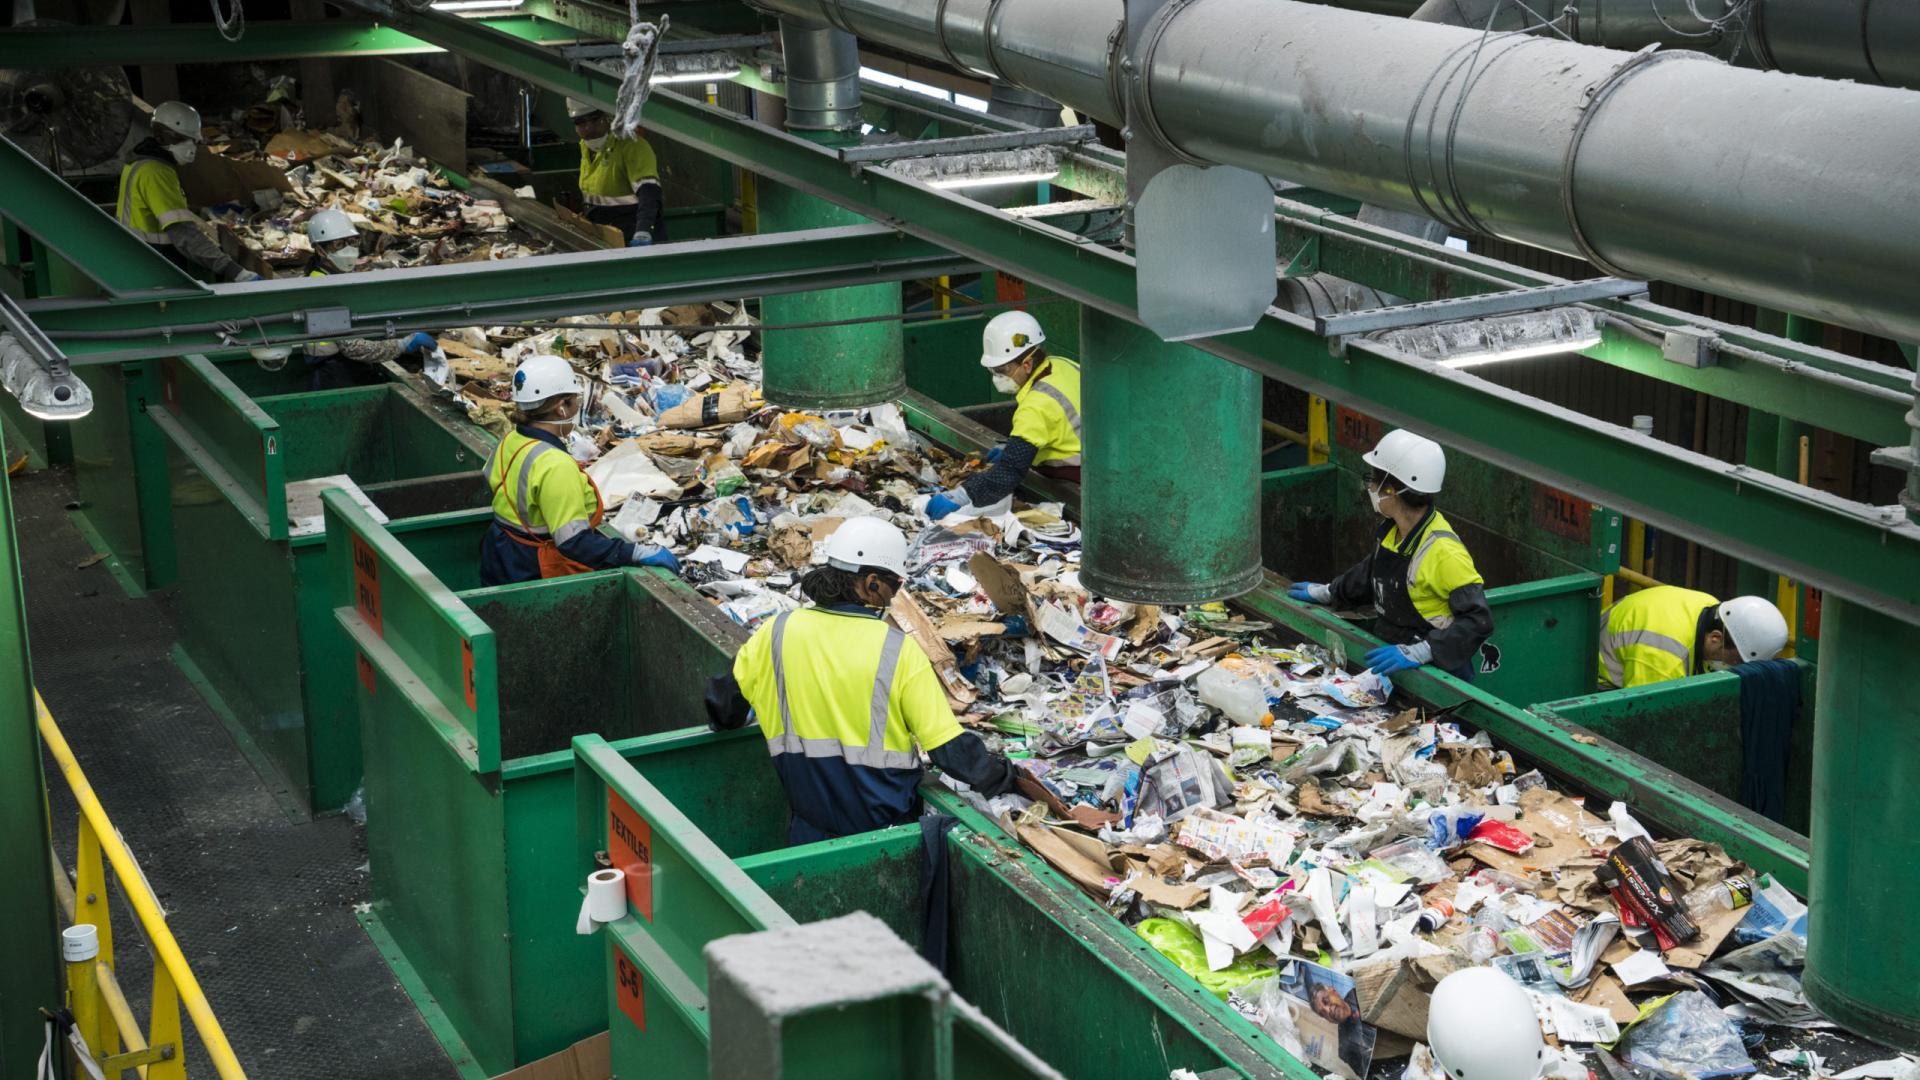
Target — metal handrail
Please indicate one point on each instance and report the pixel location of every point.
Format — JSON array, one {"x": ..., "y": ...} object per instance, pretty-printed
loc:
[{"x": 173, "y": 982}]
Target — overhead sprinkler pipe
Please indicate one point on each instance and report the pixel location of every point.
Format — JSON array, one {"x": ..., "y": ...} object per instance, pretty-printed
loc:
[
  {"x": 1869, "y": 41},
  {"x": 1791, "y": 192}
]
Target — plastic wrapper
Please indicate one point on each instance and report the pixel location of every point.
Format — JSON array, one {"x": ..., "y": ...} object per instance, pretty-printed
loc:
[
  {"x": 1178, "y": 943},
  {"x": 1686, "y": 1034}
]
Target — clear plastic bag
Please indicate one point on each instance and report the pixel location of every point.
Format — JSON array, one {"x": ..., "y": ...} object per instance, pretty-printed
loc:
[{"x": 1688, "y": 1035}]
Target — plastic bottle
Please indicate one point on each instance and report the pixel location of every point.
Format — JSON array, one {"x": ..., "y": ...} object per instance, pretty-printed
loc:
[
  {"x": 1449, "y": 825},
  {"x": 1433, "y": 915},
  {"x": 1726, "y": 895},
  {"x": 1235, "y": 691}
]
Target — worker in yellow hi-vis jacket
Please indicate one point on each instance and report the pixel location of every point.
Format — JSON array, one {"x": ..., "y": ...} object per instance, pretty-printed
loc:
[
  {"x": 153, "y": 206},
  {"x": 619, "y": 178},
  {"x": 1668, "y": 632}
]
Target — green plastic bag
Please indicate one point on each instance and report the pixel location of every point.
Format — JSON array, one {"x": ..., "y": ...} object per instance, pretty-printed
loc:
[{"x": 1177, "y": 942}]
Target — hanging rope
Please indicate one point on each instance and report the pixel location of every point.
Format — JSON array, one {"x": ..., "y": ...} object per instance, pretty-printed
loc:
[
  {"x": 231, "y": 26},
  {"x": 641, "y": 50}
]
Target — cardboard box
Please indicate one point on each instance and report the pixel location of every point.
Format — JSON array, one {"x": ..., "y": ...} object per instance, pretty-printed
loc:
[{"x": 589, "y": 1059}]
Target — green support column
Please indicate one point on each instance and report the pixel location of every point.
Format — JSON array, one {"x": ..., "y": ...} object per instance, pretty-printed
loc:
[
  {"x": 1170, "y": 488},
  {"x": 831, "y": 367},
  {"x": 30, "y": 974},
  {"x": 1862, "y": 951}
]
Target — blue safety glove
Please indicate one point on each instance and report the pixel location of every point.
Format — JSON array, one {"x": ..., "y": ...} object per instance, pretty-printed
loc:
[
  {"x": 643, "y": 238},
  {"x": 1303, "y": 591},
  {"x": 418, "y": 343},
  {"x": 993, "y": 455},
  {"x": 1388, "y": 659},
  {"x": 659, "y": 556},
  {"x": 940, "y": 506}
]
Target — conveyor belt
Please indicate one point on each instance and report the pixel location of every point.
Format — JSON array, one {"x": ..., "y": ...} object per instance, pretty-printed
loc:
[{"x": 262, "y": 904}]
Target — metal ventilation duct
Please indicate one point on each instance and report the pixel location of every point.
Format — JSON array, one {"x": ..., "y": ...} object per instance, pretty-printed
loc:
[
  {"x": 1869, "y": 41},
  {"x": 1794, "y": 193}
]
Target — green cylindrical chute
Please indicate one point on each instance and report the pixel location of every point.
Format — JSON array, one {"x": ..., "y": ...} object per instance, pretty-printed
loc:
[
  {"x": 1170, "y": 495},
  {"x": 828, "y": 367},
  {"x": 1862, "y": 951}
]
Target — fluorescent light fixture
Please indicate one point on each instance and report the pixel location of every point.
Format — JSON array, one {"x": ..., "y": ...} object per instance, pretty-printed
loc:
[
  {"x": 953, "y": 182},
  {"x": 476, "y": 5},
  {"x": 43, "y": 393},
  {"x": 1506, "y": 337},
  {"x": 716, "y": 65},
  {"x": 973, "y": 104}
]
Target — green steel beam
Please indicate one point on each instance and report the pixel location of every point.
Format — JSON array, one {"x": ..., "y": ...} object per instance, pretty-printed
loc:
[
  {"x": 30, "y": 976},
  {"x": 1857, "y": 551},
  {"x": 273, "y": 39},
  {"x": 392, "y": 302},
  {"x": 61, "y": 219}
]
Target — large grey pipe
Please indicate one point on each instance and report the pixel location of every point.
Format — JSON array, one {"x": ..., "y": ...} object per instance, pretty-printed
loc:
[
  {"x": 1870, "y": 41},
  {"x": 1790, "y": 192}
]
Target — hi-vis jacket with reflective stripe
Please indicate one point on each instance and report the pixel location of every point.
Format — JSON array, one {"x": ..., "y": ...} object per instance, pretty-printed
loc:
[
  {"x": 1650, "y": 636},
  {"x": 613, "y": 176},
  {"x": 541, "y": 494},
  {"x": 1425, "y": 588},
  {"x": 1047, "y": 412},
  {"x": 151, "y": 199},
  {"x": 843, "y": 698}
]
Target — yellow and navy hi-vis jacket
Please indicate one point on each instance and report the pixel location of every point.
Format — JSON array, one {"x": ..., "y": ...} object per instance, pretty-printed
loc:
[
  {"x": 843, "y": 698},
  {"x": 1046, "y": 412},
  {"x": 1650, "y": 636},
  {"x": 614, "y": 175},
  {"x": 540, "y": 493},
  {"x": 1424, "y": 587}
]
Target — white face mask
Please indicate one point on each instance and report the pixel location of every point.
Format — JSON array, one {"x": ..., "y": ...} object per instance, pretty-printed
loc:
[
  {"x": 1004, "y": 384},
  {"x": 345, "y": 257},
  {"x": 1373, "y": 500},
  {"x": 1718, "y": 665},
  {"x": 183, "y": 151},
  {"x": 597, "y": 145}
]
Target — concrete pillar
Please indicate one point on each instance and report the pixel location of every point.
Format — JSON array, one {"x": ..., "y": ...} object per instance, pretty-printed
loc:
[{"x": 1170, "y": 485}]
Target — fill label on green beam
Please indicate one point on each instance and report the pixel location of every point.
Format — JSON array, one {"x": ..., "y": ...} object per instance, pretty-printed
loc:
[{"x": 630, "y": 848}]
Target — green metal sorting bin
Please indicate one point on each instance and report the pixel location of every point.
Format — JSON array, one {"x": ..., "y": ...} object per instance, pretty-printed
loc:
[
  {"x": 1038, "y": 957},
  {"x": 467, "y": 701},
  {"x": 1693, "y": 727},
  {"x": 248, "y": 592}
]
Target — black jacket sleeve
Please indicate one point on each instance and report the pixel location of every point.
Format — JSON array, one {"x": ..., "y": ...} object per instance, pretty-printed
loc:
[
  {"x": 1355, "y": 587},
  {"x": 1457, "y": 642},
  {"x": 591, "y": 547},
  {"x": 189, "y": 241},
  {"x": 969, "y": 760},
  {"x": 727, "y": 707},
  {"x": 1000, "y": 481}
]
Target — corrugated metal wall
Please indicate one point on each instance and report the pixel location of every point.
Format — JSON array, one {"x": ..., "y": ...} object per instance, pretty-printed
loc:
[{"x": 1680, "y": 416}]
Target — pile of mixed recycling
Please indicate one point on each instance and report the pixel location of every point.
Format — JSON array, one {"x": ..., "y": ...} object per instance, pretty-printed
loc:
[{"x": 1279, "y": 828}]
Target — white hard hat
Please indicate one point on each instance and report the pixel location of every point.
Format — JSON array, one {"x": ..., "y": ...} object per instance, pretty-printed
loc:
[
  {"x": 179, "y": 118},
  {"x": 1481, "y": 1026},
  {"x": 1008, "y": 337},
  {"x": 576, "y": 109},
  {"x": 1758, "y": 630},
  {"x": 329, "y": 225},
  {"x": 543, "y": 376},
  {"x": 867, "y": 541},
  {"x": 1414, "y": 460}
]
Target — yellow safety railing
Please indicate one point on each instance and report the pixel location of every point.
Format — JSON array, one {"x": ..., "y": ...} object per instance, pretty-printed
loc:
[{"x": 100, "y": 1009}]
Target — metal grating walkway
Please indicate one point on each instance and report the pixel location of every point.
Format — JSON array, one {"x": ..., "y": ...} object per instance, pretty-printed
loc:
[{"x": 263, "y": 905}]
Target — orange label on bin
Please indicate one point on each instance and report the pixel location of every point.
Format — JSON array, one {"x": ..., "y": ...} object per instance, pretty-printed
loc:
[
  {"x": 630, "y": 848},
  {"x": 466, "y": 663},
  {"x": 627, "y": 987},
  {"x": 365, "y": 667},
  {"x": 1355, "y": 430},
  {"x": 1561, "y": 513},
  {"x": 366, "y": 584}
]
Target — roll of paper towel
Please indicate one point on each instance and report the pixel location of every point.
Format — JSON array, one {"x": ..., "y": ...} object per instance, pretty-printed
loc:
[{"x": 606, "y": 900}]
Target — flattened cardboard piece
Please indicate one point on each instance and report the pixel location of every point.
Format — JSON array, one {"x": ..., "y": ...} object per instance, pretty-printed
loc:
[
  {"x": 589, "y": 1059},
  {"x": 211, "y": 179},
  {"x": 1606, "y": 992},
  {"x": 1554, "y": 821},
  {"x": 1000, "y": 584},
  {"x": 605, "y": 235},
  {"x": 1081, "y": 858},
  {"x": 906, "y": 615}
]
